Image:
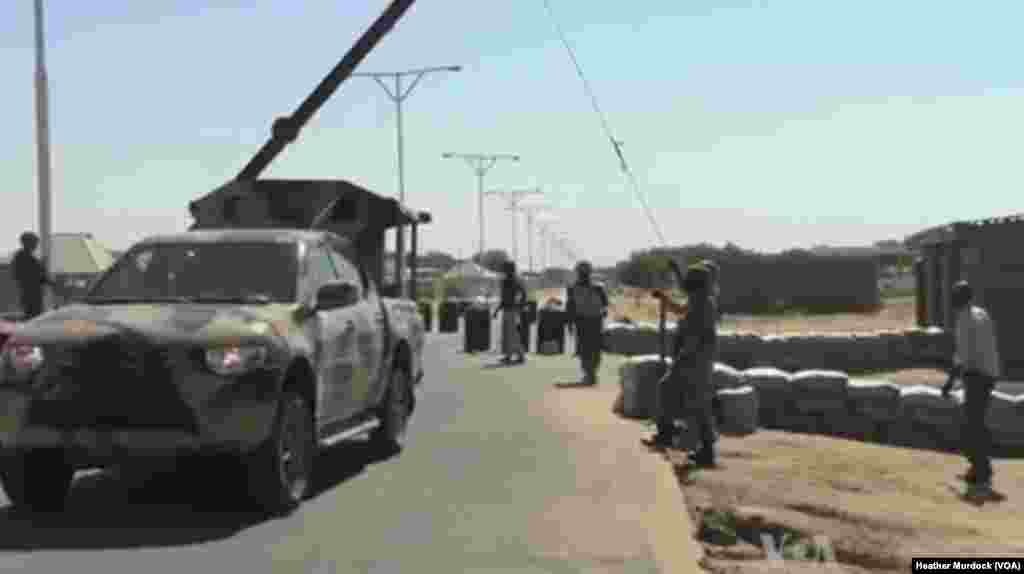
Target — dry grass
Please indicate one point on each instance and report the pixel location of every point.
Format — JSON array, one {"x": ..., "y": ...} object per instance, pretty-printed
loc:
[
  {"x": 878, "y": 505},
  {"x": 638, "y": 305},
  {"x": 897, "y": 314}
]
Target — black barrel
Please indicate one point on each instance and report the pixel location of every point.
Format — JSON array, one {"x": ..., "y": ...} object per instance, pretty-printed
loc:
[
  {"x": 477, "y": 329},
  {"x": 427, "y": 312},
  {"x": 551, "y": 328},
  {"x": 526, "y": 321},
  {"x": 448, "y": 317}
]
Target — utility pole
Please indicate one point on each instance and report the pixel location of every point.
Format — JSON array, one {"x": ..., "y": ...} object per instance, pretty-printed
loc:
[
  {"x": 398, "y": 95},
  {"x": 480, "y": 163},
  {"x": 43, "y": 146},
  {"x": 515, "y": 198},
  {"x": 532, "y": 212},
  {"x": 544, "y": 226}
]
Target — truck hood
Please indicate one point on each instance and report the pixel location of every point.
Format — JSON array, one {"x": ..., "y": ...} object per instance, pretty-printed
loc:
[{"x": 163, "y": 323}]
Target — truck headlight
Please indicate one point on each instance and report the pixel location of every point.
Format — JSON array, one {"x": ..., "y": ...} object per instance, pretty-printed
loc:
[
  {"x": 230, "y": 361},
  {"x": 22, "y": 360}
]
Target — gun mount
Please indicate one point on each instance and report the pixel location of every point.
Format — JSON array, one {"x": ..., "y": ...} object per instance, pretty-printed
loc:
[{"x": 339, "y": 206}]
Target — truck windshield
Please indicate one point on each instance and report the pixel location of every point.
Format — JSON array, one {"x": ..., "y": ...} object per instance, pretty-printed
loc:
[{"x": 202, "y": 272}]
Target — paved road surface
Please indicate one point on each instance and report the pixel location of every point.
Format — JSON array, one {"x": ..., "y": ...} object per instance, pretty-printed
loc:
[{"x": 487, "y": 484}]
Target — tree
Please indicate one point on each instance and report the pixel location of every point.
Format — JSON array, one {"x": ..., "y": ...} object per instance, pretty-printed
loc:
[
  {"x": 436, "y": 260},
  {"x": 492, "y": 259}
]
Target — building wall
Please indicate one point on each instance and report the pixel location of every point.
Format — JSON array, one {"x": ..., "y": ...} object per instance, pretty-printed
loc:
[
  {"x": 988, "y": 258},
  {"x": 815, "y": 283}
]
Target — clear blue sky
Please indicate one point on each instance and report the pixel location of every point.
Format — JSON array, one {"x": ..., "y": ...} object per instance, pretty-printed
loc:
[{"x": 768, "y": 123}]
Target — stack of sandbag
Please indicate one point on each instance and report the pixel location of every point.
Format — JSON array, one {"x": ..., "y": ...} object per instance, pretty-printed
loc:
[
  {"x": 632, "y": 339},
  {"x": 738, "y": 409},
  {"x": 1005, "y": 419},
  {"x": 819, "y": 391},
  {"x": 835, "y": 352},
  {"x": 877, "y": 400},
  {"x": 896, "y": 350},
  {"x": 639, "y": 377},
  {"x": 929, "y": 420},
  {"x": 738, "y": 349},
  {"x": 616, "y": 335},
  {"x": 726, "y": 377},
  {"x": 773, "y": 394},
  {"x": 930, "y": 345},
  {"x": 871, "y": 406}
]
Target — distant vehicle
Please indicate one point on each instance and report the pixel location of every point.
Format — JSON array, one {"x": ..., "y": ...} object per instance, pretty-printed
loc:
[{"x": 178, "y": 351}]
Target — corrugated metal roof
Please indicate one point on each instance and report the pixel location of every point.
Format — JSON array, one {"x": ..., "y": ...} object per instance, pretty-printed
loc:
[{"x": 942, "y": 233}]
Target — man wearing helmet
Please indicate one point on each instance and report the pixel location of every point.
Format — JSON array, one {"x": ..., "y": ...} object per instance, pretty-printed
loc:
[
  {"x": 30, "y": 276},
  {"x": 976, "y": 363},
  {"x": 689, "y": 378},
  {"x": 586, "y": 308}
]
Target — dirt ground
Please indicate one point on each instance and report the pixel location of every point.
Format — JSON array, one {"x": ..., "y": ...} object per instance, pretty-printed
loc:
[
  {"x": 638, "y": 305},
  {"x": 877, "y": 505}
]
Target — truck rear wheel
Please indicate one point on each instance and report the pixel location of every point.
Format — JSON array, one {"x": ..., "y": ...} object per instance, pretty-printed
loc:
[
  {"x": 394, "y": 412},
  {"x": 281, "y": 470},
  {"x": 37, "y": 479}
]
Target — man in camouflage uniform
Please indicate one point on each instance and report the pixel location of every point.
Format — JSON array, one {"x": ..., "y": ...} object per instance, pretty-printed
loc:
[
  {"x": 688, "y": 382},
  {"x": 586, "y": 307},
  {"x": 30, "y": 275}
]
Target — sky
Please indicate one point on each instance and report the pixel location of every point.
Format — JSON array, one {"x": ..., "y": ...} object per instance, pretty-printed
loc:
[{"x": 771, "y": 124}]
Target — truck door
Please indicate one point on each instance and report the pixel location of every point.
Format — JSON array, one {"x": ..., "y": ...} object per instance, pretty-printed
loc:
[
  {"x": 335, "y": 337},
  {"x": 371, "y": 334}
]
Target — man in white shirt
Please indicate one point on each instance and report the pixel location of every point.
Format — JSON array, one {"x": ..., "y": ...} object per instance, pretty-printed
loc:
[{"x": 976, "y": 363}]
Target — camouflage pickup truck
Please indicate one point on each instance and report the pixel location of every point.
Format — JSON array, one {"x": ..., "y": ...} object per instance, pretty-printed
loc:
[{"x": 263, "y": 345}]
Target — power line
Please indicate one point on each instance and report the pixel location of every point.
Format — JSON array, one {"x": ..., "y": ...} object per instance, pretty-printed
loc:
[{"x": 616, "y": 145}]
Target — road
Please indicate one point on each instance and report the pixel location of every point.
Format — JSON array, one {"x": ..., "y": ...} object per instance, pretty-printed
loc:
[{"x": 491, "y": 481}]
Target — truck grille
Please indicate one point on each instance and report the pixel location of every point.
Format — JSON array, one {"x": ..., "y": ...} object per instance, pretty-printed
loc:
[{"x": 110, "y": 383}]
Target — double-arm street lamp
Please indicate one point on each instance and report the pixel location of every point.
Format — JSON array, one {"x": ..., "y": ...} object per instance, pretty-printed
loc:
[
  {"x": 480, "y": 163},
  {"x": 397, "y": 93}
]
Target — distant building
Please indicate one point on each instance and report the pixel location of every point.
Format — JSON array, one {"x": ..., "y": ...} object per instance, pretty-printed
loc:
[{"x": 983, "y": 252}]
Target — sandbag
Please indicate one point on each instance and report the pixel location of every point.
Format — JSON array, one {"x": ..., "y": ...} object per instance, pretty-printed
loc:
[
  {"x": 819, "y": 391},
  {"x": 615, "y": 335},
  {"x": 1006, "y": 413},
  {"x": 877, "y": 400},
  {"x": 738, "y": 410},
  {"x": 726, "y": 377},
  {"x": 639, "y": 377},
  {"x": 926, "y": 405},
  {"x": 773, "y": 394}
]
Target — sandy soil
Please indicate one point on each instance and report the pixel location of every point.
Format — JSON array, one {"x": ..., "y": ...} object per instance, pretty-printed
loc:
[
  {"x": 878, "y": 505},
  {"x": 897, "y": 314}
]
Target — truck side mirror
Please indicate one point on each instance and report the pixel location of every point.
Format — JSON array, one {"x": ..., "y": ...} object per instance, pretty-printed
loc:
[{"x": 336, "y": 295}]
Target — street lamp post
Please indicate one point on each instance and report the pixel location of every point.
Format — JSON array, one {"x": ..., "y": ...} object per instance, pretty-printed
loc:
[
  {"x": 43, "y": 141},
  {"x": 532, "y": 212},
  {"x": 480, "y": 164},
  {"x": 398, "y": 95},
  {"x": 515, "y": 199}
]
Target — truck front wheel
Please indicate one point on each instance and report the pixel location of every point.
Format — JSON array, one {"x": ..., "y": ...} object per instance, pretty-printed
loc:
[
  {"x": 281, "y": 470},
  {"x": 37, "y": 479},
  {"x": 394, "y": 412}
]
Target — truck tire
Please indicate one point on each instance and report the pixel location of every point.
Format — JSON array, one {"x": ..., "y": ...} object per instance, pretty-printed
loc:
[
  {"x": 281, "y": 469},
  {"x": 37, "y": 480},
  {"x": 394, "y": 412}
]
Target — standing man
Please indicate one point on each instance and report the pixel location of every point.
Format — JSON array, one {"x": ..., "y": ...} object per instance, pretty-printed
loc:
[
  {"x": 976, "y": 363},
  {"x": 513, "y": 299},
  {"x": 30, "y": 276},
  {"x": 586, "y": 308},
  {"x": 692, "y": 367}
]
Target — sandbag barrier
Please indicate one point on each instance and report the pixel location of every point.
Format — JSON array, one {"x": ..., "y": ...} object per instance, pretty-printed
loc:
[
  {"x": 850, "y": 353},
  {"x": 829, "y": 402}
]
